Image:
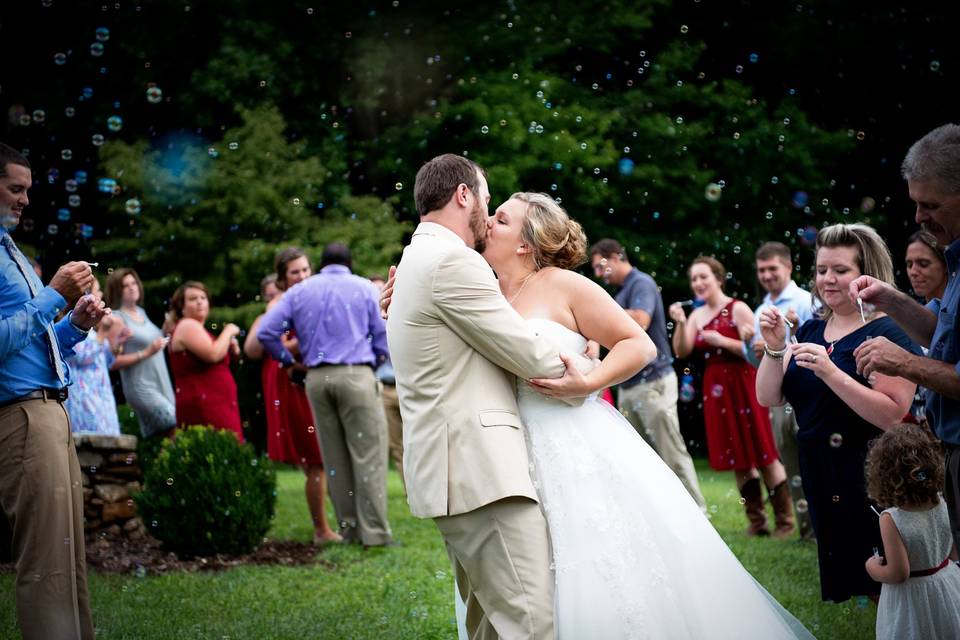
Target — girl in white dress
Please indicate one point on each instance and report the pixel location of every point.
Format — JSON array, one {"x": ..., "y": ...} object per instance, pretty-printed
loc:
[
  {"x": 634, "y": 557},
  {"x": 921, "y": 583}
]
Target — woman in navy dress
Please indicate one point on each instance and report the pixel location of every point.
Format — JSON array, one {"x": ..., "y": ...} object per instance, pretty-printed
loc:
[{"x": 838, "y": 411}]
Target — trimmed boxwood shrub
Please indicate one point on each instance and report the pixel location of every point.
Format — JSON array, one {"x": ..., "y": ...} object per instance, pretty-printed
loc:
[{"x": 206, "y": 493}]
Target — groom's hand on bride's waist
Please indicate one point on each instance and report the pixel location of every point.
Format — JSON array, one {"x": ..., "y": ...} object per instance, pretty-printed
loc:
[
  {"x": 573, "y": 383},
  {"x": 387, "y": 293}
]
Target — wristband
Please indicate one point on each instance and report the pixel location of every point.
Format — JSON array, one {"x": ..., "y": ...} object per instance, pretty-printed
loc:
[{"x": 775, "y": 354}]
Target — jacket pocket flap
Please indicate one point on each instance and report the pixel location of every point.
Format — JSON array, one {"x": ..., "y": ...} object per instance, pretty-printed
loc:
[{"x": 498, "y": 418}]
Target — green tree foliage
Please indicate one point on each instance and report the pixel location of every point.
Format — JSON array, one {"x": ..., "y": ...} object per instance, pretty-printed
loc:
[{"x": 220, "y": 212}]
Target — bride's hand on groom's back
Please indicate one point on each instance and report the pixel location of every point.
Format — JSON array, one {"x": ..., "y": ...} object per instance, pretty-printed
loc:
[{"x": 387, "y": 293}]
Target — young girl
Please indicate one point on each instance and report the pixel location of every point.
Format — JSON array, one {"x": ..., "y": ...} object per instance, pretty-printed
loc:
[{"x": 921, "y": 585}]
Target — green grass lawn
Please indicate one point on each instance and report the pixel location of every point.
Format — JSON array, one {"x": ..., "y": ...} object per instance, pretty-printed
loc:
[{"x": 404, "y": 592}]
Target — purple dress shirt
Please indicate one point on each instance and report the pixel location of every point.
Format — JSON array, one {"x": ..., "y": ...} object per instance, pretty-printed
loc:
[{"x": 336, "y": 316}]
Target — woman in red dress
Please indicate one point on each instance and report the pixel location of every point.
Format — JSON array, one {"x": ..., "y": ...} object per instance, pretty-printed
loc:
[
  {"x": 205, "y": 390},
  {"x": 738, "y": 430},
  {"x": 291, "y": 436}
]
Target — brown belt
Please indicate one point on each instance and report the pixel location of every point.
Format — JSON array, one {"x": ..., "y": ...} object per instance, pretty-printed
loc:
[{"x": 930, "y": 572}]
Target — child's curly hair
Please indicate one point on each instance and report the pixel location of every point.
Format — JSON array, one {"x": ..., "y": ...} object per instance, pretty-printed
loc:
[{"x": 905, "y": 467}]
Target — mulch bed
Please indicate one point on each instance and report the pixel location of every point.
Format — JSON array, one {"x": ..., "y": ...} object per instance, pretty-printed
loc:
[{"x": 118, "y": 555}]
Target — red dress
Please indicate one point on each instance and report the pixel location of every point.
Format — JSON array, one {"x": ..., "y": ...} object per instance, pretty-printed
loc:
[
  {"x": 291, "y": 435},
  {"x": 206, "y": 393},
  {"x": 738, "y": 428}
]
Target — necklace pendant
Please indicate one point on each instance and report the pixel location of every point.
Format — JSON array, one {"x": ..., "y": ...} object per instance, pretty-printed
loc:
[{"x": 830, "y": 348}]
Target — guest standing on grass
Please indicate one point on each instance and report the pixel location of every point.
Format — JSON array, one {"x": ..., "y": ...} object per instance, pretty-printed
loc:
[
  {"x": 41, "y": 493},
  {"x": 341, "y": 338},
  {"x": 921, "y": 586},
  {"x": 838, "y": 410},
  {"x": 205, "y": 389},
  {"x": 291, "y": 432},
  {"x": 738, "y": 428},
  {"x": 143, "y": 370}
]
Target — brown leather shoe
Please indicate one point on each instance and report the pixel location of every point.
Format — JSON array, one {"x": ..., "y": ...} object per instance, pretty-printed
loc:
[{"x": 753, "y": 506}]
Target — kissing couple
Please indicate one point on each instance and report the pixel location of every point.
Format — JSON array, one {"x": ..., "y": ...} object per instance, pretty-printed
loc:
[{"x": 559, "y": 520}]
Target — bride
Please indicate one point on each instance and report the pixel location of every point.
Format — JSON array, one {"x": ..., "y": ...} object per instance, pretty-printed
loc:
[{"x": 633, "y": 555}]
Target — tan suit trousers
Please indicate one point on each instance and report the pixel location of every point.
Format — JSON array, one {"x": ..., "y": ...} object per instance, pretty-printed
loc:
[
  {"x": 651, "y": 407},
  {"x": 501, "y": 558},
  {"x": 391, "y": 407},
  {"x": 353, "y": 440},
  {"x": 785, "y": 428},
  {"x": 41, "y": 493}
]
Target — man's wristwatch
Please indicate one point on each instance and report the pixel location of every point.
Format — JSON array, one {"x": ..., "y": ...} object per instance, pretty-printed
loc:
[{"x": 775, "y": 354}]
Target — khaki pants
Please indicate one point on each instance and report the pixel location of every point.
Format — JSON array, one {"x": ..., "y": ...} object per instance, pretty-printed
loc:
[
  {"x": 501, "y": 558},
  {"x": 651, "y": 407},
  {"x": 353, "y": 440},
  {"x": 784, "y": 424},
  {"x": 41, "y": 493},
  {"x": 391, "y": 407}
]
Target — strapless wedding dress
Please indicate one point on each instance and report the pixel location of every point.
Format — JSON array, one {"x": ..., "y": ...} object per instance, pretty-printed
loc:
[{"x": 633, "y": 555}]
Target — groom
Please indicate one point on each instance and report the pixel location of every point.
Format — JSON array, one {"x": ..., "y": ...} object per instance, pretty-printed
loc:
[{"x": 456, "y": 346}]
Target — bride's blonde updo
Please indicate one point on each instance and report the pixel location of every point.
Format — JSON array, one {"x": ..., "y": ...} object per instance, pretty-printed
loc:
[{"x": 557, "y": 240}]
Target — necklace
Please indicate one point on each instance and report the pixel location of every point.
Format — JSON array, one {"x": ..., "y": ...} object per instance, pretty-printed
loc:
[{"x": 522, "y": 285}]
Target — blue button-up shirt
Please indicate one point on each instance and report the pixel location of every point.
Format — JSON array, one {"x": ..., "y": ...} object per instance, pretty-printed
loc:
[
  {"x": 25, "y": 364},
  {"x": 943, "y": 413},
  {"x": 336, "y": 316}
]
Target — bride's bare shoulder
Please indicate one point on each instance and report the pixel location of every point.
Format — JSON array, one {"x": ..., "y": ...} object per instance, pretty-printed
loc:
[{"x": 565, "y": 277}]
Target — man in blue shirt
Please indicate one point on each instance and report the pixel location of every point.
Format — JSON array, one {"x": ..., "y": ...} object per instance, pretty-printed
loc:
[
  {"x": 932, "y": 171},
  {"x": 41, "y": 492},
  {"x": 342, "y": 338},
  {"x": 774, "y": 268},
  {"x": 649, "y": 399}
]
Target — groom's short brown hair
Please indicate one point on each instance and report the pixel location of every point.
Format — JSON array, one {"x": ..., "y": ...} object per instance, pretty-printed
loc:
[{"x": 439, "y": 178}]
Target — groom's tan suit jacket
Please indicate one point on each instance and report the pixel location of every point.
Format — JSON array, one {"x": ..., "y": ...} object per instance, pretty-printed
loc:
[{"x": 456, "y": 345}]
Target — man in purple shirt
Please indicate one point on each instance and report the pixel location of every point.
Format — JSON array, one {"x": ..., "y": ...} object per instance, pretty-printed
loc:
[{"x": 336, "y": 317}]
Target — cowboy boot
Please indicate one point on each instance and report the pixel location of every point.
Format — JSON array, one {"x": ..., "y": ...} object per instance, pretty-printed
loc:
[
  {"x": 753, "y": 506},
  {"x": 782, "y": 510}
]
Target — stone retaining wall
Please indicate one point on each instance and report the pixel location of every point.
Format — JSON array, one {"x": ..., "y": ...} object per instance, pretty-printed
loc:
[{"x": 111, "y": 477}]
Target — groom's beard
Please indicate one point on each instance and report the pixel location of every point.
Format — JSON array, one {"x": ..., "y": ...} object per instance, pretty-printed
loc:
[{"x": 478, "y": 225}]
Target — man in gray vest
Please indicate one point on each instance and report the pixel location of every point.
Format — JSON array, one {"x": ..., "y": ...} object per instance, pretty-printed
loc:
[{"x": 649, "y": 399}]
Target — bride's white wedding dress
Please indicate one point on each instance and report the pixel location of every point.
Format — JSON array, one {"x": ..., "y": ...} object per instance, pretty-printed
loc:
[{"x": 633, "y": 555}]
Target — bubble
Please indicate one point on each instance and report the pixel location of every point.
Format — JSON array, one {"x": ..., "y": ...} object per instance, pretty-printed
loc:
[
  {"x": 684, "y": 28},
  {"x": 836, "y": 440},
  {"x": 736, "y": 249},
  {"x": 106, "y": 185},
  {"x": 768, "y": 215},
  {"x": 440, "y": 575},
  {"x": 296, "y": 201},
  {"x": 796, "y": 482},
  {"x": 52, "y": 230},
  {"x": 81, "y": 177},
  {"x": 934, "y": 65},
  {"x": 739, "y": 68},
  {"x": 96, "y": 49},
  {"x": 39, "y": 116},
  {"x": 70, "y": 186},
  {"x": 583, "y": 145},
  {"x": 484, "y": 129},
  {"x": 63, "y": 215},
  {"x": 233, "y": 146},
  {"x": 97, "y": 139},
  {"x": 836, "y": 498},
  {"x": 212, "y": 152},
  {"x": 398, "y": 186},
  {"x": 754, "y": 57},
  {"x": 802, "y": 506},
  {"x": 800, "y": 199},
  {"x": 154, "y": 95},
  {"x": 86, "y": 231},
  {"x": 87, "y": 93},
  {"x": 132, "y": 206},
  {"x": 60, "y": 59},
  {"x": 74, "y": 200},
  {"x": 27, "y": 224},
  {"x": 713, "y": 192},
  {"x": 716, "y": 390},
  {"x": 596, "y": 171},
  {"x": 867, "y": 204},
  {"x": 236, "y": 493},
  {"x": 114, "y": 123},
  {"x": 102, "y": 34},
  {"x": 169, "y": 482}
]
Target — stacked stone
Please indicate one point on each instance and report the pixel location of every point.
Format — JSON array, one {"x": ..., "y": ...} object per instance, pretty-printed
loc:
[{"x": 111, "y": 477}]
